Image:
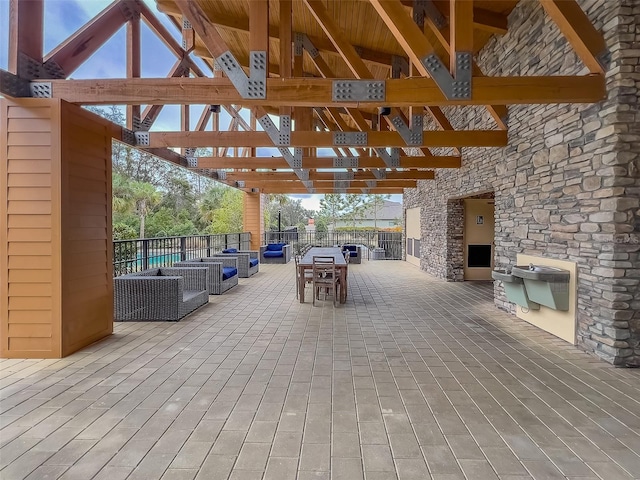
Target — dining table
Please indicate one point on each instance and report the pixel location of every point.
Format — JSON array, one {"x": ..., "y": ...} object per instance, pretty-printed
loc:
[{"x": 306, "y": 263}]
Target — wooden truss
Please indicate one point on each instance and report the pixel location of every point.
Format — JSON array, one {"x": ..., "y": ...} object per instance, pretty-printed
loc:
[{"x": 381, "y": 101}]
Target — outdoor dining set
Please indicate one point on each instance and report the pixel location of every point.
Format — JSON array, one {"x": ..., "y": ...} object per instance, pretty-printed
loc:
[{"x": 171, "y": 293}]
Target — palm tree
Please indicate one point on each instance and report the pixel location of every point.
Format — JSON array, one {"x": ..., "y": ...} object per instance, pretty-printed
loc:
[{"x": 145, "y": 196}]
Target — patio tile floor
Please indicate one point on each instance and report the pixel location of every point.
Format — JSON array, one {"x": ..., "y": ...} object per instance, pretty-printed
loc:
[{"x": 412, "y": 378}]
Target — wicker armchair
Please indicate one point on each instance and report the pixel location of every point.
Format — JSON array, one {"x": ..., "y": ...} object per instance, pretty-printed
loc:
[
  {"x": 220, "y": 280},
  {"x": 272, "y": 252},
  {"x": 248, "y": 261},
  {"x": 159, "y": 294},
  {"x": 355, "y": 252}
]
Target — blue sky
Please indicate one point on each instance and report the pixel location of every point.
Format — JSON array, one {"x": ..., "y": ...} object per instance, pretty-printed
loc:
[{"x": 64, "y": 17}]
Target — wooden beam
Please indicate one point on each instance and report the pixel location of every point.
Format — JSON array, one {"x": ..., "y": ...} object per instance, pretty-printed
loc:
[
  {"x": 310, "y": 92},
  {"x": 329, "y": 183},
  {"x": 330, "y": 176},
  {"x": 25, "y": 32},
  {"x": 486, "y": 20},
  {"x": 151, "y": 112},
  {"x": 346, "y": 50},
  {"x": 75, "y": 50},
  {"x": 163, "y": 34},
  {"x": 461, "y": 30},
  {"x": 254, "y": 163},
  {"x": 133, "y": 64},
  {"x": 286, "y": 50},
  {"x": 298, "y": 187},
  {"x": 440, "y": 138},
  {"x": 204, "y": 118},
  {"x": 574, "y": 24}
]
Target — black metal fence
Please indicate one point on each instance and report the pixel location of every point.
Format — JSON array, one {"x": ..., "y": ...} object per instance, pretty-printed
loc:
[
  {"x": 376, "y": 245},
  {"x": 134, "y": 255}
]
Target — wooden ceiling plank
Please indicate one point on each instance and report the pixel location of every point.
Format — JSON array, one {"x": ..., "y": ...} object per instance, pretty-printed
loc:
[
  {"x": 310, "y": 92},
  {"x": 26, "y": 31},
  {"x": 203, "y": 27},
  {"x": 303, "y": 189},
  {"x": 346, "y": 50},
  {"x": 254, "y": 163},
  {"x": 76, "y": 49},
  {"x": 574, "y": 24},
  {"x": 440, "y": 138}
]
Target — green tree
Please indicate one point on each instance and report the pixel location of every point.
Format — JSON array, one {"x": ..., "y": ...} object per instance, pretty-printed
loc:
[
  {"x": 228, "y": 217},
  {"x": 145, "y": 197},
  {"x": 373, "y": 204},
  {"x": 332, "y": 208}
]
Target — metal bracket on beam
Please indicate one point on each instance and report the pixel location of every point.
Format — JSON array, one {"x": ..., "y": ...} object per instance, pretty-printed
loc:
[
  {"x": 128, "y": 137},
  {"x": 253, "y": 86},
  {"x": 279, "y": 137},
  {"x": 221, "y": 175},
  {"x": 345, "y": 162},
  {"x": 298, "y": 44},
  {"x": 142, "y": 139},
  {"x": 350, "y": 138},
  {"x": 14, "y": 86},
  {"x": 293, "y": 159},
  {"x": 391, "y": 160},
  {"x": 371, "y": 183},
  {"x": 302, "y": 174},
  {"x": 458, "y": 88},
  {"x": 309, "y": 46},
  {"x": 255, "y": 190},
  {"x": 365, "y": 190},
  {"x": 411, "y": 136},
  {"x": 379, "y": 173},
  {"x": 40, "y": 89},
  {"x": 358, "y": 90},
  {"x": 399, "y": 65},
  {"x": 192, "y": 162},
  {"x": 426, "y": 8},
  {"x": 186, "y": 24},
  {"x": 343, "y": 176},
  {"x": 240, "y": 184}
]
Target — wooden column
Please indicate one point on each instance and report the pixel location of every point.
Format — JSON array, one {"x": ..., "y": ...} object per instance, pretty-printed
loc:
[
  {"x": 25, "y": 32},
  {"x": 253, "y": 217},
  {"x": 56, "y": 285}
]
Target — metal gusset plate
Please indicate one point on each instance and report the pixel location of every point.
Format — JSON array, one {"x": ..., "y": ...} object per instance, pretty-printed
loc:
[
  {"x": 391, "y": 160},
  {"x": 192, "y": 162},
  {"x": 309, "y": 46},
  {"x": 240, "y": 184},
  {"x": 379, "y": 173},
  {"x": 221, "y": 174},
  {"x": 298, "y": 43},
  {"x": 40, "y": 89},
  {"x": 13, "y": 85},
  {"x": 293, "y": 159},
  {"x": 128, "y": 137},
  {"x": 343, "y": 176},
  {"x": 279, "y": 137},
  {"x": 371, "y": 183},
  {"x": 143, "y": 139},
  {"x": 411, "y": 136},
  {"x": 399, "y": 65},
  {"x": 428, "y": 9},
  {"x": 345, "y": 162},
  {"x": 302, "y": 174},
  {"x": 458, "y": 88},
  {"x": 350, "y": 138},
  {"x": 257, "y": 81},
  {"x": 358, "y": 90},
  {"x": 232, "y": 69}
]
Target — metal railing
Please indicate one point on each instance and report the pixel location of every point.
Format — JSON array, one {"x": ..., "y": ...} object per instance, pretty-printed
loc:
[
  {"x": 376, "y": 245},
  {"x": 135, "y": 255}
]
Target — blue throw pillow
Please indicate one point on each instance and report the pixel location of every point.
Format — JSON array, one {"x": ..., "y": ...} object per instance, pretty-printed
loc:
[
  {"x": 228, "y": 272},
  {"x": 275, "y": 247},
  {"x": 253, "y": 262},
  {"x": 230, "y": 250}
]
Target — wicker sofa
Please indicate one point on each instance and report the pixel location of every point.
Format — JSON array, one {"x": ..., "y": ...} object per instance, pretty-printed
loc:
[
  {"x": 159, "y": 294},
  {"x": 275, "y": 253},
  {"x": 222, "y": 271},
  {"x": 248, "y": 261},
  {"x": 355, "y": 252}
]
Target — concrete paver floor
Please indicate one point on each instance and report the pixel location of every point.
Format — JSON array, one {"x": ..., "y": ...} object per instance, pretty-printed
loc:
[{"x": 412, "y": 378}]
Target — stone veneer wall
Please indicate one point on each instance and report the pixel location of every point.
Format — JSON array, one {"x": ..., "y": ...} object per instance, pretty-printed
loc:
[{"x": 568, "y": 184}]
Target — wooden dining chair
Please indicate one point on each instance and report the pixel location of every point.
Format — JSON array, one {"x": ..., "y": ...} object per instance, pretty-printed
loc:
[
  {"x": 308, "y": 274},
  {"x": 324, "y": 276}
]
